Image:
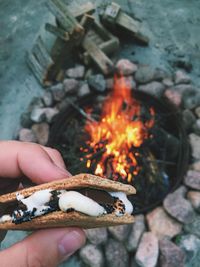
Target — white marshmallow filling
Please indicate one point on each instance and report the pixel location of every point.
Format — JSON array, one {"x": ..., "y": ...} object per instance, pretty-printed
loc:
[{"x": 45, "y": 201}]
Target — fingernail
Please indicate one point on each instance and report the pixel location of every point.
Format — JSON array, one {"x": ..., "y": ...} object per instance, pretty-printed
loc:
[{"x": 71, "y": 242}]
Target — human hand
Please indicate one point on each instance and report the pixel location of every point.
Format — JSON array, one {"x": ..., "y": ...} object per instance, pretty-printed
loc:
[{"x": 45, "y": 247}]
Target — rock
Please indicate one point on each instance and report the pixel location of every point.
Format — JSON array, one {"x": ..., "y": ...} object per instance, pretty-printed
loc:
[
  {"x": 50, "y": 113},
  {"x": 162, "y": 225},
  {"x": 146, "y": 74},
  {"x": 38, "y": 114},
  {"x": 182, "y": 88},
  {"x": 135, "y": 234},
  {"x": 126, "y": 67},
  {"x": 25, "y": 120},
  {"x": 58, "y": 92},
  {"x": 41, "y": 131},
  {"x": 71, "y": 86},
  {"x": 184, "y": 63},
  {"x": 196, "y": 166},
  {"x": 178, "y": 207},
  {"x": 181, "y": 77},
  {"x": 27, "y": 135},
  {"x": 83, "y": 90},
  {"x": 116, "y": 254},
  {"x": 171, "y": 255},
  {"x": 97, "y": 83},
  {"x": 191, "y": 99},
  {"x": 192, "y": 179},
  {"x": 167, "y": 82},
  {"x": 194, "y": 198},
  {"x": 173, "y": 96},
  {"x": 197, "y": 112},
  {"x": 194, "y": 226},
  {"x": 147, "y": 252},
  {"x": 120, "y": 232},
  {"x": 48, "y": 99},
  {"x": 194, "y": 141},
  {"x": 65, "y": 103},
  {"x": 190, "y": 244},
  {"x": 196, "y": 127},
  {"x": 76, "y": 72},
  {"x": 97, "y": 236},
  {"x": 153, "y": 88},
  {"x": 92, "y": 256},
  {"x": 188, "y": 119}
]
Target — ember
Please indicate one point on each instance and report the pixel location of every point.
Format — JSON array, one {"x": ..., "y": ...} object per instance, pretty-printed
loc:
[{"x": 121, "y": 130}]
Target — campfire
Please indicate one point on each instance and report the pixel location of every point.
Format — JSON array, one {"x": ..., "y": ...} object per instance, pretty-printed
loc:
[{"x": 118, "y": 137}]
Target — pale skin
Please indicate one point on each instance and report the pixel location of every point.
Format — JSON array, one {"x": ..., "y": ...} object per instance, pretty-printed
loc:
[{"x": 45, "y": 247}]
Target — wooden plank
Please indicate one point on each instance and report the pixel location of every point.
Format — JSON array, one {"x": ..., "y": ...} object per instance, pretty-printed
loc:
[
  {"x": 57, "y": 31},
  {"x": 36, "y": 68},
  {"x": 66, "y": 20},
  {"x": 41, "y": 54},
  {"x": 97, "y": 56},
  {"x": 87, "y": 8},
  {"x": 87, "y": 21}
]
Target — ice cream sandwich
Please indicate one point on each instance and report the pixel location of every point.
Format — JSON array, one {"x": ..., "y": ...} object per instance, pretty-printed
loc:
[{"x": 83, "y": 200}]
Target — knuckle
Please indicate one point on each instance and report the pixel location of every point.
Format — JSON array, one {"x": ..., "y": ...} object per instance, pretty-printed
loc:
[{"x": 33, "y": 259}]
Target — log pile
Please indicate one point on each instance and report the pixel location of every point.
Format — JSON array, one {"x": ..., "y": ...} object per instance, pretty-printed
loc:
[{"x": 80, "y": 30}]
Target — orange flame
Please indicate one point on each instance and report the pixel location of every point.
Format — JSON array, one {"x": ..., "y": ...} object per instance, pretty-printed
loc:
[{"x": 119, "y": 130}]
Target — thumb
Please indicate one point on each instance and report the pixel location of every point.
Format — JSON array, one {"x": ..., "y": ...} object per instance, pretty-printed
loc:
[{"x": 43, "y": 248}]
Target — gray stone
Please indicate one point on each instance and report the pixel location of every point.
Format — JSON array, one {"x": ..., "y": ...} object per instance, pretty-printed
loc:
[
  {"x": 194, "y": 141},
  {"x": 182, "y": 88},
  {"x": 162, "y": 225},
  {"x": 194, "y": 198},
  {"x": 57, "y": 92},
  {"x": 97, "y": 82},
  {"x": 160, "y": 74},
  {"x": 188, "y": 119},
  {"x": 191, "y": 99},
  {"x": 41, "y": 131},
  {"x": 92, "y": 256},
  {"x": 48, "y": 99},
  {"x": 196, "y": 127},
  {"x": 153, "y": 88},
  {"x": 192, "y": 179},
  {"x": 190, "y": 244},
  {"x": 38, "y": 114},
  {"x": 171, "y": 255},
  {"x": 25, "y": 120},
  {"x": 173, "y": 96},
  {"x": 181, "y": 77},
  {"x": 120, "y": 232},
  {"x": 27, "y": 135},
  {"x": 194, "y": 226},
  {"x": 76, "y": 72},
  {"x": 147, "y": 253},
  {"x": 97, "y": 236},
  {"x": 126, "y": 67},
  {"x": 144, "y": 74},
  {"x": 196, "y": 166},
  {"x": 83, "y": 90},
  {"x": 116, "y": 254},
  {"x": 167, "y": 82},
  {"x": 178, "y": 207},
  {"x": 197, "y": 112},
  {"x": 65, "y": 103},
  {"x": 71, "y": 86},
  {"x": 50, "y": 113},
  {"x": 136, "y": 232}
]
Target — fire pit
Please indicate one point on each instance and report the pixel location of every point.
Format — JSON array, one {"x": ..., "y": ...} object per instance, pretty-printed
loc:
[{"x": 125, "y": 135}]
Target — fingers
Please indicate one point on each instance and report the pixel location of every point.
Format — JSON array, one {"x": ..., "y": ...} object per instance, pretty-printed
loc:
[
  {"x": 44, "y": 248},
  {"x": 32, "y": 160}
]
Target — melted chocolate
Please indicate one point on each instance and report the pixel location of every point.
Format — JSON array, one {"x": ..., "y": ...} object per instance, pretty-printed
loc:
[{"x": 100, "y": 196}]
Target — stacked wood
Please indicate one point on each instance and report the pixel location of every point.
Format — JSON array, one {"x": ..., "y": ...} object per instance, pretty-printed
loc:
[{"x": 118, "y": 21}]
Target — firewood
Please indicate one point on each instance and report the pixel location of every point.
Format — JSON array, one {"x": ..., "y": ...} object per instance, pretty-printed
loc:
[
  {"x": 97, "y": 56},
  {"x": 80, "y": 11},
  {"x": 57, "y": 31},
  {"x": 117, "y": 20}
]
